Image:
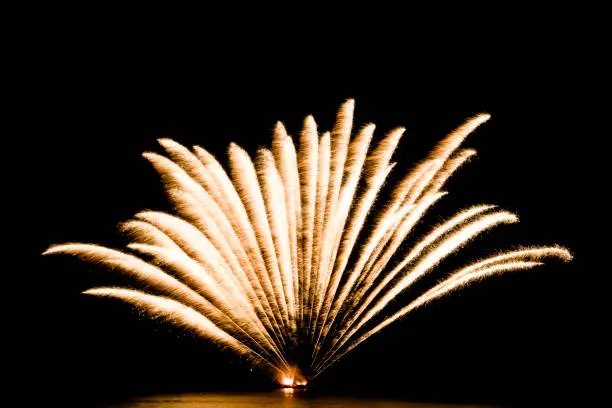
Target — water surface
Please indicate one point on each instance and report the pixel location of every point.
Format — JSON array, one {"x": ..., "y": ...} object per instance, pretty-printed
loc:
[{"x": 279, "y": 398}]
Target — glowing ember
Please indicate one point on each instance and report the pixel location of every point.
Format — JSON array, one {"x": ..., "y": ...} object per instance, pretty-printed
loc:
[
  {"x": 293, "y": 379},
  {"x": 257, "y": 259}
]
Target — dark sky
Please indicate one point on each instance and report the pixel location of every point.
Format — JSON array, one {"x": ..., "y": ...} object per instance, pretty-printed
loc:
[{"x": 91, "y": 106}]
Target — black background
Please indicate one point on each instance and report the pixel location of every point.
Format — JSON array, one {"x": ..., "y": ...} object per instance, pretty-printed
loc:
[{"x": 91, "y": 100}]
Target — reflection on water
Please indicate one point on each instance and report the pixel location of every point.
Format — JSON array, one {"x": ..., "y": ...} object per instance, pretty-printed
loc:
[{"x": 288, "y": 398}]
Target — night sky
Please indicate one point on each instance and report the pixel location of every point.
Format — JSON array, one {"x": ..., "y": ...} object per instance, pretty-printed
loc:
[{"x": 94, "y": 106}]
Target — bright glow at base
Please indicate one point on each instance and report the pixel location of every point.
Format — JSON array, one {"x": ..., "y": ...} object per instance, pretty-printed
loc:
[
  {"x": 256, "y": 257},
  {"x": 292, "y": 378}
]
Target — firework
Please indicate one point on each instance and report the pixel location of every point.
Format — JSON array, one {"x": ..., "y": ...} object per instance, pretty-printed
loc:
[{"x": 256, "y": 258}]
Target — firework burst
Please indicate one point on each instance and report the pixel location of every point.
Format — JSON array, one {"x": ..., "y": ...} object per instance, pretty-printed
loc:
[{"x": 284, "y": 258}]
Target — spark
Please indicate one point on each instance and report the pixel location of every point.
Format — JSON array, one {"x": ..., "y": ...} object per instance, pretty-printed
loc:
[{"x": 286, "y": 258}]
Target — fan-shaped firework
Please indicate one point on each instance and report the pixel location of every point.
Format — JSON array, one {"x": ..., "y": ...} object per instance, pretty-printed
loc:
[{"x": 258, "y": 259}]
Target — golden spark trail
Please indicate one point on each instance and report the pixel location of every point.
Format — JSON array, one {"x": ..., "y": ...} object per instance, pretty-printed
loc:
[
  {"x": 510, "y": 261},
  {"x": 155, "y": 278},
  {"x": 227, "y": 197},
  {"x": 245, "y": 179},
  {"x": 418, "y": 248},
  {"x": 356, "y": 159},
  {"x": 322, "y": 186},
  {"x": 285, "y": 158},
  {"x": 307, "y": 164},
  {"x": 180, "y": 315},
  {"x": 286, "y": 257},
  {"x": 274, "y": 195},
  {"x": 181, "y": 186},
  {"x": 339, "y": 140},
  {"x": 398, "y": 199},
  {"x": 428, "y": 261},
  {"x": 420, "y": 301},
  {"x": 406, "y": 224}
]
